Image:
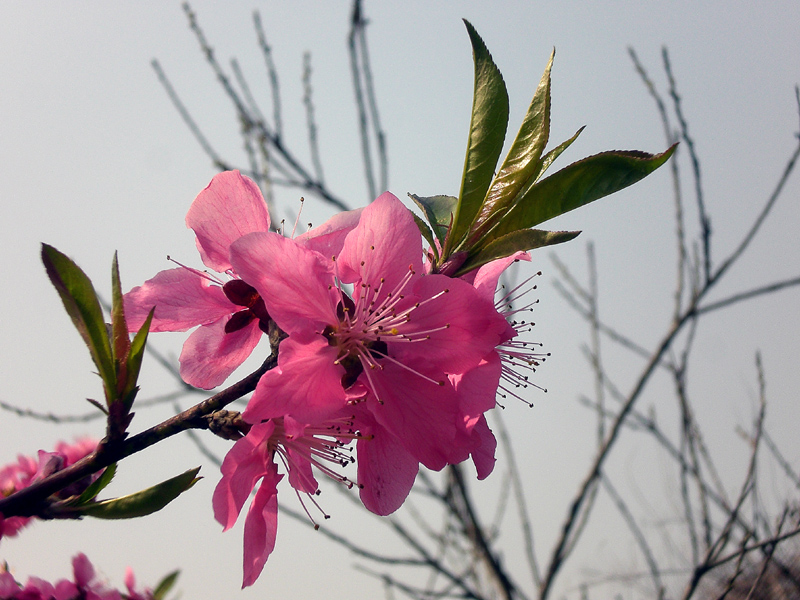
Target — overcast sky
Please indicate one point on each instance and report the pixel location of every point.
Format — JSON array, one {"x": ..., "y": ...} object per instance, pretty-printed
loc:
[{"x": 94, "y": 158}]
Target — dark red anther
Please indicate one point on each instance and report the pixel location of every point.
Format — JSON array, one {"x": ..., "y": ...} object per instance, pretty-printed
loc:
[
  {"x": 239, "y": 320},
  {"x": 346, "y": 305},
  {"x": 241, "y": 293}
]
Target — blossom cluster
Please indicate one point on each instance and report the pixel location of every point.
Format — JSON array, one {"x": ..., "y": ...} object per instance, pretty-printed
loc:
[
  {"x": 28, "y": 470},
  {"x": 84, "y": 586},
  {"x": 376, "y": 351}
]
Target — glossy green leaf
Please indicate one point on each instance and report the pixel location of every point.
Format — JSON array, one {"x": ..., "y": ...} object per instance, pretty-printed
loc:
[
  {"x": 142, "y": 503},
  {"x": 522, "y": 164},
  {"x": 121, "y": 341},
  {"x": 426, "y": 232},
  {"x": 524, "y": 239},
  {"x": 487, "y": 132},
  {"x": 98, "y": 485},
  {"x": 83, "y": 307},
  {"x": 439, "y": 211},
  {"x": 135, "y": 356},
  {"x": 548, "y": 160},
  {"x": 165, "y": 586},
  {"x": 482, "y": 239},
  {"x": 578, "y": 184}
]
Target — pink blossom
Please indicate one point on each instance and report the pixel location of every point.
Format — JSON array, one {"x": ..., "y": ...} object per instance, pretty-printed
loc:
[
  {"x": 230, "y": 314},
  {"x": 503, "y": 370},
  {"x": 255, "y": 458},
  {"x": 229, "y": 207},
  {"x": 27, "y": 470},
  {"x": 392, "y": 344},
  {"x": 85, "y": 586}
]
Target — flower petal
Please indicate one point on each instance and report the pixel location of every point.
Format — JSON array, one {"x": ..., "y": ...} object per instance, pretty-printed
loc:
[
  {"x": 260, "y": 529},
  {"x": 301, "y": 477},
  {"x": 228, "y": 208},
  {"x": 483, "y": 456},
  {"x": 421, "y": 414},
  {"x": 294, "y": 282},
  {"x": 384, "y": 245},
  {"x": 307, "y": 384},
  {"x": 183, "y": 299},
  {"x": 477, "y": 389},
  {"x": 463, "y": 327},
  {"x": 245, "y": 463},
  {"x": 328, "y": 238},
  {"x": 486, "y": 277},
  {"x": 386, "y": 471},
  {"x": 210, "y": 355},
  {"x": 83, "y": 570}
]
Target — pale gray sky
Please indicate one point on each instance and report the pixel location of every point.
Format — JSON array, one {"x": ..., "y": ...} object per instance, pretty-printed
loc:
[{"x": 93, "y": 159}]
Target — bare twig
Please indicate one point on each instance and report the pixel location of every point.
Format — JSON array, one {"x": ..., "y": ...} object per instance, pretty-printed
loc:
[
  {"x": 311, "y": 123},
  {"x": 705, "y": 220},
  {"x": 638, "y": 535},
  {"x": 272, "y": 72}
]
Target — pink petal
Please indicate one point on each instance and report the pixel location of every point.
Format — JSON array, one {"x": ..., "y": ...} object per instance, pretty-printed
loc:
[
  {"x": 463, "y": 326},
  {"x": 384, "y": 245},
  {"x": 421, "y": 414},
  {"x": 487, "y": 276},
  {"x": 306, "y": 385},
  {"x": 294, "y": 282},
  {"x": 260, "y": 529},
  {"x": 301, "y": 476},
  {"x": 230, "y": 207},
  {"x": 183, "y": 299},
  {"x": 210, "y": 355},
  {"x": 64, "y": 590},
  {"x": 8, "y": 585},
  {"x": 328, "y": 238},
  {"x": 483, "y": 456},
  {"x": 83, "y": 570},
  {"x": 477, "y": 389},
  {"x": 386, "y": 471},
  {"x": 246, "y": 462}
]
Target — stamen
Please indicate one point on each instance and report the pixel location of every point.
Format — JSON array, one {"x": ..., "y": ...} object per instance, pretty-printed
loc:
[
  {"x": 409, "y": 369},
  {"x": 202, "y": 274},
  {"x": 297, "y": 219}
]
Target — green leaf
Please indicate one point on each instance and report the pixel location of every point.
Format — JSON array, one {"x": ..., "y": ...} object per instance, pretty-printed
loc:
[
  {"x": 550, "y": 157},
  {"x": 439, "y": 211},
  {"x": 165, "y": 585},
  {"x": 83, "y": 307},
  {"x": 98, "y": 485},
  {"x": 142, "y": 503},
  {"x": 578, "y": 184},
  {"x": 524, "y": 239},
  {"x": 121, "y": 341},
  {"x": 135, "y": 356},
  {"x": 522, "y": 163},
  {"x": 425, "y": 231},
  {"x": 487, "y": 132}
]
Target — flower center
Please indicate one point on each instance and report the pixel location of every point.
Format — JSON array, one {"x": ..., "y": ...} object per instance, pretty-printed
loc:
[
  {"x": 244, "y": 294},
  {"x": 375, "y": 317}
]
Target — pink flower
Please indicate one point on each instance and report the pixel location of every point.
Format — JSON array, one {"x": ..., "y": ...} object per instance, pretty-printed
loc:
[
  {"x": 392, "y": 343},
  {"x": 230, "y": 314},
  {"x": 228, "y": 208},
  {"x": 254, "y": 458},
  {"x": 86, "y": 586},
  {"x": 27, "y": 470}
]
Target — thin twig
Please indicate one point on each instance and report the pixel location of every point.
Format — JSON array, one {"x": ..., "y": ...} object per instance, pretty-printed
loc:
[
  {"x": 187, "y": 118},
  {"x": 705, "y": 220},
  {"x": 311, "y": 122},
  {"x": 638, "y": 535},
  {"x": 272, "y": 72},
  {"x": 357, "y": 22},
  {"x": 28, "y": 501}
]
